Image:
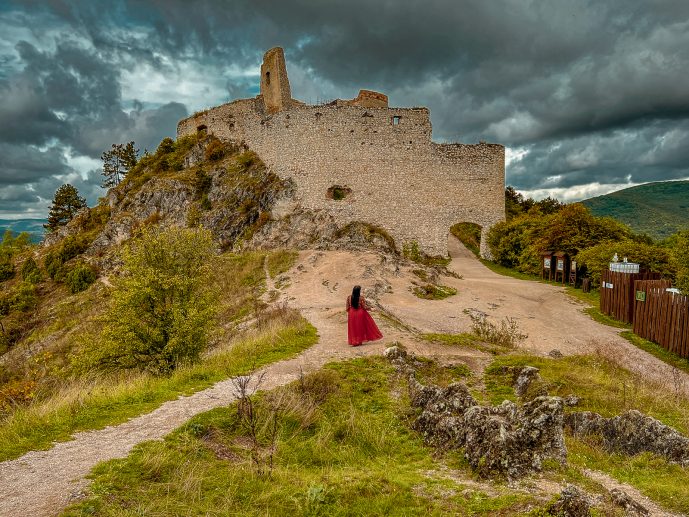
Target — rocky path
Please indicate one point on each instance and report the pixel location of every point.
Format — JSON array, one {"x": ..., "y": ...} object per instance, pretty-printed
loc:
[{"x": 43, "y": 482}]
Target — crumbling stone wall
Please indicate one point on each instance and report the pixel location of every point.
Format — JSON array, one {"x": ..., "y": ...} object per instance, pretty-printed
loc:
[{"x": 399, "y": 178}]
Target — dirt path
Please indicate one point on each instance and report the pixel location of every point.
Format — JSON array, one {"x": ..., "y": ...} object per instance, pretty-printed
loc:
[{"x": 43, "y": 482}]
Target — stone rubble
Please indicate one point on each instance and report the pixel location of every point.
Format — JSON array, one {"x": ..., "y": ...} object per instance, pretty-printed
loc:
[
  {"x": 632, "y": 433},
  {"x": 506, "y": 440}
]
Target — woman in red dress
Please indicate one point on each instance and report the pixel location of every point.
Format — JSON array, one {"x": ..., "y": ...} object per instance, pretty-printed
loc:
[{"x": 360, "y": 324}]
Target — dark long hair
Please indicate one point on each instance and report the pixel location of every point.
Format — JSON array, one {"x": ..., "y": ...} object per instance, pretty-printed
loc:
[{"x": 356, "y": 294}]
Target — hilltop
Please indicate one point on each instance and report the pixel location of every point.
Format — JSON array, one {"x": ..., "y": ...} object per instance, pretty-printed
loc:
[{"x": 657, "y": 209}]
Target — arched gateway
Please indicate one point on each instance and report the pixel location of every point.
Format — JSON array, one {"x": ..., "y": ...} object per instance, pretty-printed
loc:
[{"x": 395, "y": 176}]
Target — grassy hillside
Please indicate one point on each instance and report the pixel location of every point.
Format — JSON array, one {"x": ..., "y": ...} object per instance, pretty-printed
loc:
[{"x": 657, "y": 209}]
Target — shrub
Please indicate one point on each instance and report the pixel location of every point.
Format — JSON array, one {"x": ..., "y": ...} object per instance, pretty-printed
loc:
[
  {"x": 21, "y": 298},
  {"x": 163, "y": 308},
  {"x": 6, "y": 267},
  {"x": 434, "y": 292},
  {"x": 72, "y": 246},
  {"x": 506, "y": 334},
  {"x": 30, "y": 271},
  {"x": 468, "y": 234},
  {"x": 680, "y": 260},
  {"x": 215, "y": 150},
  {"x": 80, "y": 277},
  {"x": 16, "y": 393},
  {"x": 597, "y": 258},
  {"x": 53, "y": 265}
]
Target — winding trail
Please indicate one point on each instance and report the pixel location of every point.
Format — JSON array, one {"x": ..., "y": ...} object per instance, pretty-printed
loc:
[{"x": 44, "y": 482}]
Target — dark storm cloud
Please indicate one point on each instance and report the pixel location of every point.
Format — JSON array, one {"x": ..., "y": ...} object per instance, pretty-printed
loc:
[{"x": 589, "y": 91}]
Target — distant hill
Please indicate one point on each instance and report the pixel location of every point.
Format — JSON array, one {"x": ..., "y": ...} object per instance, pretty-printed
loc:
[
  {"x": 657, "y": 209},
  {"x": 33, "y": 226}
]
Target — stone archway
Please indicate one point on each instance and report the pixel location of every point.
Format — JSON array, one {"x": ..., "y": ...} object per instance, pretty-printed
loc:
[{"x": 471, "y": 235}]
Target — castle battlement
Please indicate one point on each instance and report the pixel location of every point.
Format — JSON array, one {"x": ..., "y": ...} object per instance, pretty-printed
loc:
[{"x": 399, "y": 178}]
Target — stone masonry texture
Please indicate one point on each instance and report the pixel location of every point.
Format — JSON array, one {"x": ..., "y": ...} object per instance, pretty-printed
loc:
[{"x": 399, "y": 178}]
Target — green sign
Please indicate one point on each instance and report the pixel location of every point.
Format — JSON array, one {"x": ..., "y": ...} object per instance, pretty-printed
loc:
[{"x": 641, "y": 296}]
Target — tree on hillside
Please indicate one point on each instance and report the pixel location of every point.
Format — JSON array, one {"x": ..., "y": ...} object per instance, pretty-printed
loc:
[
  {"x": 163, "y": 307},
  {"x": 66, "y": 203},
  {"x": 117, "y": 162}
]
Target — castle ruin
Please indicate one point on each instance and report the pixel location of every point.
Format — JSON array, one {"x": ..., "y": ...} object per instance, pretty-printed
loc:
[{"x": 381, "y": 161}]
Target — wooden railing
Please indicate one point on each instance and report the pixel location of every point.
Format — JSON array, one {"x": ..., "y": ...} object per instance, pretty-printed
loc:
[
  {"x": 617, "y": 293},
  {"x": 661, "y": 316}
]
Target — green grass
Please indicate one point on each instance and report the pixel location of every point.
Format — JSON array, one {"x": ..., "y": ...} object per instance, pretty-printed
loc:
[
  {"x": 608, "y": 389},
  {"x": 468, "y": 234},
  {"x": 508, "y": 271},
  {"x": 433, "y": 292},
  {"x": 344, "y": 448},
  {"x": 96, "y": 403},
  {"x": 657, "y": 351},
  {"x": 280, "y": 261},
  {"x": 665, "y": 483},
  {"x": 602, "y": 385},
  {"x": 465, "y": 340}
]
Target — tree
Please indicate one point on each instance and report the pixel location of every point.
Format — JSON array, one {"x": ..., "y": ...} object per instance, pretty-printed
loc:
[
  {"x": 117, "y": 162},
  {"x": 680, "y": 255},
  {"x": 66, "y": 203},
  {"x": 163, "y": 308}
]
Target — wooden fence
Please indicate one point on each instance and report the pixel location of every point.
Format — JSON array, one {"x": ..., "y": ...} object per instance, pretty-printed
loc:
[
  {"x": 617, "y": 293},
  {"x": 661, "y": 316}
]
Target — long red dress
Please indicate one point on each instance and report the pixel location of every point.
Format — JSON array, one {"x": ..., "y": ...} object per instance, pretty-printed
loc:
[{"x": 360, "y": 324}]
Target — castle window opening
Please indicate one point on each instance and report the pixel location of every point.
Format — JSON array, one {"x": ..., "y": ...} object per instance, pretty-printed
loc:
[
  {"x": 201, "y": 128},
  {"x": 267, "y": 77},
  {"x": 396, "y": 120}
]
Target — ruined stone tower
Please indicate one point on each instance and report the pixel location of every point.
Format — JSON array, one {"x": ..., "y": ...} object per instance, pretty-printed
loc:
[
  {"x": 274, "y": 82},
  {"x": 395, "y": 176}
]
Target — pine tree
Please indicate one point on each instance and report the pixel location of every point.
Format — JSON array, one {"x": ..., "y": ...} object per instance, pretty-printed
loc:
[
  {"x": 117, "y": 162},
  {"x": 66, "y": 203}
]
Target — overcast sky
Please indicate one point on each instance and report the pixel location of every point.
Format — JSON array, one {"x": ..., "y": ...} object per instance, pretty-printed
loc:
[{"x": 587, "y": 96}]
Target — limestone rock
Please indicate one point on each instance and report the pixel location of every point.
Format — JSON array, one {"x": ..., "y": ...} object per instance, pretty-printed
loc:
[
  {"x": 525, "y": 377},
  {"x": 512, "y": 440},
  {"x": 631, "y": 433},
  {"x": 572, "y": 502},
  {"x": 631, "y": 507}
]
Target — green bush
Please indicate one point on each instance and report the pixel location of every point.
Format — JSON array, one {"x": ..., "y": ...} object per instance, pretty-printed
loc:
[
  {"x": 72, "y": 246},
  {"x": 163, "y": 308},
  {"x": 6, "y": 267},
  {"x": 652, "y": 257},
  {"x": 80, "y": 277},
  {"x": 215, "y": 150},
  {"x": 53, "y": 265},
  {"x": 680, "y": 260},
  {"x": 21, "y": 298},
  {"x": 30, "y": 271}
]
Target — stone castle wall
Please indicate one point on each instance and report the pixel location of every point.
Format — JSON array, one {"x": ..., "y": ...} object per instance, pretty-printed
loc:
[{"x": 399, "y": 179}]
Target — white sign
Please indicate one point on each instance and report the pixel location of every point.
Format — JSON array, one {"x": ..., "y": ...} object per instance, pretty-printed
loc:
[{"x": 607, "y": 285}]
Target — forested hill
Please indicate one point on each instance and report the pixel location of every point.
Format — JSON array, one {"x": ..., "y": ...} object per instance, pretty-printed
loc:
[
  {"x": 657, "y": 209},
  {"x": 33, "y": 226}
]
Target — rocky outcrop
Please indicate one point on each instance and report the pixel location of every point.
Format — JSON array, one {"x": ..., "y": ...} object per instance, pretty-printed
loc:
[
  {"x": 514, "y": 440},
  {"x": 572, "y": 502},
  {"x": 507, "y": 440},
  {"x": 631, "y": 433},
  {"x": 631, "y": 507},
  {"x": 525, "y": 377}
]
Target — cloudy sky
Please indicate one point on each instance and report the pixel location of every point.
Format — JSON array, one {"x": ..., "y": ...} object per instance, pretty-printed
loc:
[{"x": 587, "y": 96}]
